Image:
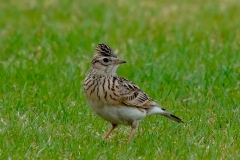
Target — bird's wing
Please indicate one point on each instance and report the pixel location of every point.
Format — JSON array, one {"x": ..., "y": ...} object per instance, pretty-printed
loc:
[{"x": 132, "y": 95}]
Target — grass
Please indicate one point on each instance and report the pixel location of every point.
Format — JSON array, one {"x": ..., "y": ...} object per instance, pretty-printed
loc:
[{"x": 184, "y": 54}]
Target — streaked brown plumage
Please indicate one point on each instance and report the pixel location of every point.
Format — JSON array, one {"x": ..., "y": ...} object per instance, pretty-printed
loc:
[{"x": 115, "y": 99}]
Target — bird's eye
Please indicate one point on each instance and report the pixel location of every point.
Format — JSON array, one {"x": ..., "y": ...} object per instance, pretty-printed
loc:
[{"x": 105, "y": 60}]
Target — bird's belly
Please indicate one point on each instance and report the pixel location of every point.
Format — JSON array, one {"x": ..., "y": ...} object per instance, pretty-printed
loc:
[{"x": 120, "y": 115}]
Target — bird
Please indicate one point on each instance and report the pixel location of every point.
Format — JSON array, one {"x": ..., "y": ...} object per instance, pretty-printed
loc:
[{"x": 114, "y": 98}]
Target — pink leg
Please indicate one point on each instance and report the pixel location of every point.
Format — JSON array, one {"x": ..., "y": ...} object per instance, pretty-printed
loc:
[
  {"x": 109, "y": 132},
  {"x": 134, "y": 126},
  {"x": 131, "y": 134}
]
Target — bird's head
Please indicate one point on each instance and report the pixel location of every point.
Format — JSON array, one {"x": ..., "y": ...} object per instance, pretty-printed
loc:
[{"x": 105, "y": 61}]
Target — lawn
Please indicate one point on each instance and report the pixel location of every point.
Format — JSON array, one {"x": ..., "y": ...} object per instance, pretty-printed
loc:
[{"x": 184, "y": 54}]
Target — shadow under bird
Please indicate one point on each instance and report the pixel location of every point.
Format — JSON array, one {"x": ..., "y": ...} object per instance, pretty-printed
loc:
[{"x": 116, "y": 99}]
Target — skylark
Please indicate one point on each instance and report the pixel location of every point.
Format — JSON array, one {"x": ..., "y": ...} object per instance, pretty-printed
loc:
[{"x": 116, "y": 99}]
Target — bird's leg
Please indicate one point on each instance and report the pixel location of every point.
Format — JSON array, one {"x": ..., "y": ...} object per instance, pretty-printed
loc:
[
  {"x": 109, "y": 132},
  {"x": 134, "y": 126}
]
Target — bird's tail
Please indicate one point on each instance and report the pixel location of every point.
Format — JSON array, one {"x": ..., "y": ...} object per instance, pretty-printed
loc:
[
  {"x": 159, "y": 110},
  {"x": 172, "y": 117}
]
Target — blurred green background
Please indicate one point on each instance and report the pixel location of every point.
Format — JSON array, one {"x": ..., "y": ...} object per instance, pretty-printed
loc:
[{"x": 184, "y": 54}]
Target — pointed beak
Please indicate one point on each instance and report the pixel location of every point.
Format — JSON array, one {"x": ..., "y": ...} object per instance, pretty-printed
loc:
[{"x": 119, "y": 61}]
